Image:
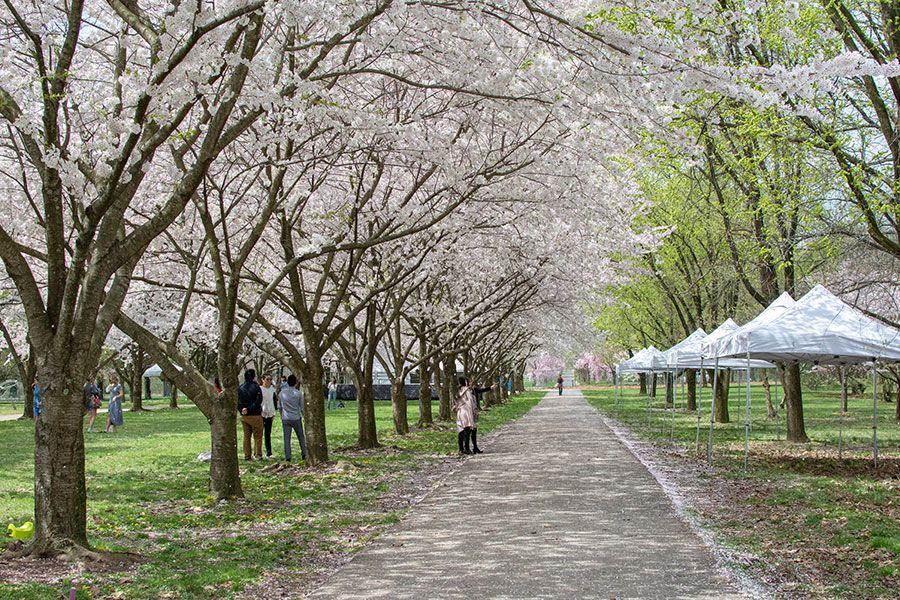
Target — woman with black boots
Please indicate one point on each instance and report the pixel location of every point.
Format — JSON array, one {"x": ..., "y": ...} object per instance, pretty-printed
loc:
[
  {"x": 477, "y": 391},
  {"x": 465, "y": 415}
]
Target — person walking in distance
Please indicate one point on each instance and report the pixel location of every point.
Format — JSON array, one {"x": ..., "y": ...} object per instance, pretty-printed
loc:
[
  {"x": 292, "y": 403},
  {"x": 250, "y": 407},
  {"x": 268, "y": 411},
  {"x": 464, "y": 405},
  {"x": 559, "y": 384}
]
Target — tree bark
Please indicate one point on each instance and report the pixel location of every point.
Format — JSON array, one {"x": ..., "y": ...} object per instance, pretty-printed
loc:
[
  {"x": 173, "y": 398},
  {"x": 842, "y": 375},
  {"x": 721, "y": 395},
  {"x": 690, "y": 376},
  {"x": 365, "y": 406},
  {"x": 425, "y": 418},
  {"x": 642, "y": 380},
  {"x": 448, "y": 388},
  {"x": 314, "y": 387},
  {"x": 27, "y": 372},
  {"x": 137, "y": 379},
  {"x": 796, "y": 431},
  {"x": 60, "y": 495},
  {"x": 224, "y": 473},
  {"x": 653, "y": 382},
  {"x": 398, "y": 406},
  {"x": 670, "y": 389}
]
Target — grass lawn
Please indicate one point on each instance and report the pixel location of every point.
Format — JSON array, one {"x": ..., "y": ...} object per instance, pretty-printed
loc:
[
  {"x": 830, "y": 523},
  {"x": 147, "y": 493}
]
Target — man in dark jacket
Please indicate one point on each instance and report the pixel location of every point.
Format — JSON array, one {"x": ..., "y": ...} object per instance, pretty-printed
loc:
[{"x": 250, "y": 406}]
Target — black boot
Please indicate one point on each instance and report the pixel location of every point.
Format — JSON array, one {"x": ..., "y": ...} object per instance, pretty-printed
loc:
[
  {"x": 475, "y": 448},
  {"x": 463, "y": 439}
]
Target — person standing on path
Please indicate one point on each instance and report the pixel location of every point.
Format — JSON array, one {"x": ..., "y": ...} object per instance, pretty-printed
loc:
[
  {"x": 292, "y": 405},
  {"x": 250, "y": 406},
  {"x": 116, "y": 393},
  {"x": 268, "y": 411},
  {"x": 559, "y": 384},
  {"x": 478, "y": 391},
  {"x": 465, "y": 415},
  {"x": 92, "y": 402}
]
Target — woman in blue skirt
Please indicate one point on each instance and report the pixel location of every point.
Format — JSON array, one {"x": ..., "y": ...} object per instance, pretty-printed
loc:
[{"x": 116, "y": 393}]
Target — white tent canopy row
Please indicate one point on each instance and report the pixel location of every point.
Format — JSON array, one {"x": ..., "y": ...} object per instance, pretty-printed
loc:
[
  {"x": 819, "y": 328},
  {"x": 689, "y": 354}
]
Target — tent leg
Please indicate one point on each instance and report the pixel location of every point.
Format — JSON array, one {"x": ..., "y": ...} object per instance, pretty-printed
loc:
[
  {"x": 712, "y": 412},
  {"x": 699, "y": 404},
  {"x": 841, "y": 419},
  {"x": 874, "y": 413},
  {"x": 672, "y": 430},
  {"x": 747, "y": 415}
]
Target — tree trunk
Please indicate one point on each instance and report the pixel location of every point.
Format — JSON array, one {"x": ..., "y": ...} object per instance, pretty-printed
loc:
[
  {"x": 27, "y": 372},
  {"x": 314, "y": 387},
  {"x": 767, "y": 387},
  {"x": 398, "y": 405},
  {"x": 436, "y": 378},
  {"x": 137, "y": 380},
  {"x": 224, "y": 475},
  {"x": 60, "y": 496},
  {"x": 842, "y": 376},
  {"x": 796, "y": 431},
  {"x": 425, "y": 418},
  {"x": 690, "y": 376},
  {"x": 504, "y": 388},
  {"x": 365, "y": 407},
  {"x": 642, "y": 380},
  {"x": 447, "y": 389},
  {"x": 173, "y": 398},
  {"x": 897, "y": 404},
  {"x": 721, "y": 394},
  {"x": 653, "y": 381},
  {"x": 670, "y": 389}
]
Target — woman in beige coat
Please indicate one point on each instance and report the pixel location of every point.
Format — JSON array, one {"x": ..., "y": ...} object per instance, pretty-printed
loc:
[{"x": 465, "y": 415}]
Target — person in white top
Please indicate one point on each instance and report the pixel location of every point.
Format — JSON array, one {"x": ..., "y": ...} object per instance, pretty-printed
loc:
[
  {"x": 268, "y": 411},
  {"x": 332, "y": 395}
]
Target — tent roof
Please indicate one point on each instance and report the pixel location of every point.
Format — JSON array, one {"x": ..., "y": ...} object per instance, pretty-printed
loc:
[
  {"x": 820, "y": 328},
  {"x": 691, "y": 356},
  {"x": 688, "y": 342},
  {"x": 154, "y": 371},
  {"x": 648, "y": 359}
]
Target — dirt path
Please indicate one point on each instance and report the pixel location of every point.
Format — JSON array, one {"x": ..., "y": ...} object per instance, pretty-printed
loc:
[{"x": 556, "y": 508}]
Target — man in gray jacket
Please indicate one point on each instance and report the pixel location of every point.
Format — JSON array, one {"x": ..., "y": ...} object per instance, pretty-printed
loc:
[{"x": 292, "y": 404}]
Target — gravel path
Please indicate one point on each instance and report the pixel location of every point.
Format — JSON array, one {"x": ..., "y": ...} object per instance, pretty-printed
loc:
[{"x": 557, "y": 507}]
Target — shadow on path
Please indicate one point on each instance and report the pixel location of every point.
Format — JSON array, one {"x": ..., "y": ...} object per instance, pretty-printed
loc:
[{"x": 556, "y": 508}]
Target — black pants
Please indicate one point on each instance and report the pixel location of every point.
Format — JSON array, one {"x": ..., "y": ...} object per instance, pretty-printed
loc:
[{"x": 267, "y": 434}]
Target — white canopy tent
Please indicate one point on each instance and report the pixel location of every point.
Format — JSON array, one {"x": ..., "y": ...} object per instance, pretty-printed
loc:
[
  {"x": 771, "y": 312},
  {"x": 818, "y": 328},
  {"x": 671, "y": 355},
  {"x": 648, "y": 360},
  {"x": 690, "y": 355}
]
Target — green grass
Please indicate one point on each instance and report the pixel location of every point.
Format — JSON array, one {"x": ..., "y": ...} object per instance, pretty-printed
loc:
[
  {"x": 147, "y": 493},
  {"x": 805, "y": 496}
]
